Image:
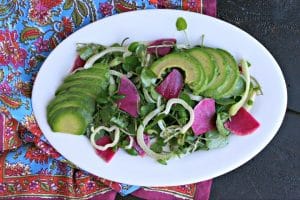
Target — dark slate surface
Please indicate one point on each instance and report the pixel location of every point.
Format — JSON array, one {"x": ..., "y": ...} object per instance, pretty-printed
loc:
[{"x": 275, "y": 172}]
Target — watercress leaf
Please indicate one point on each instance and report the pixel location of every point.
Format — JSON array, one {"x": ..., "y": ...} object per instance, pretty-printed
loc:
[
  {"x": 102, "y": 98},
  {"x": 215, "y": 140},
  {"x": 181, "y": 24},
  {"x": 225, "y": 101},
  {"x": 117, "y": 97},
  {"x": 157, "y": 146},
  {"x": 163, "y": 162},
  {"x": 221, "y": 118},
  {"x": 106, "y": 113},
  {"x": 87, "y": 50},
  {"x": 153, "y": 92},
  {"x": 130, "y": 63},
  {"x": 155, "y": 121},
  {"x": 120, "y": 120},
  {"x": 132, "y": 47},
  {"x": 145, "y": 109},
  {"x": 124, "y": 143},
  {"x": 184, "y": 96},
  {"x": 116, "y": 61},
  {"x": 132, "y": 152},
  {"x": 148, "y": 77},
  {"x": 140, "y": 50}
]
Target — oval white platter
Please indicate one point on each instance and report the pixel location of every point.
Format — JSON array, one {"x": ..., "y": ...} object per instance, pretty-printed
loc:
[{"x": 146, "y": 25}]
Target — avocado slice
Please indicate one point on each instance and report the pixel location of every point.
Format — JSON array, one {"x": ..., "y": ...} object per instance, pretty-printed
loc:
[
  {"x": 207, "y": 62},
  {"x": 92, "y": 82},
  {"x": 60, "y": 100},
  {"x": 79, "y": 91},
  {"x": 71, "y": 120},
  {"x": 75, "y": 103},
  {"x": 194, "y": 72},
  {"x": 93, "y": 73},
  {"x": 216, "y": 88},
  {"x": 234, "y": 74}
]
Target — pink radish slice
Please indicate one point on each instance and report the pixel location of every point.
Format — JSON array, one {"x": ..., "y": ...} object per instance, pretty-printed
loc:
[
  {"x": 130, "y": 102},
  {"x": 204, "y": 116},
  {"x": 137, "y": 147},
  {"x": 109, "y": 153},
  {"x": 78, "y": 63},
  {"x": 243, "y": 123},
  {"x": 161, "y": 51},
  {"x": 171, "y": 86}
]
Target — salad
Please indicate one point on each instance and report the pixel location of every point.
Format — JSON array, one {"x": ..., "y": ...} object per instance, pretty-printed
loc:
[{"x": 157, "y": 98}]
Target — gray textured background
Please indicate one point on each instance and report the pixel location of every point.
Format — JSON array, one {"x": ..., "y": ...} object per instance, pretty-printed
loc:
[{"x": 275, "y": 172}]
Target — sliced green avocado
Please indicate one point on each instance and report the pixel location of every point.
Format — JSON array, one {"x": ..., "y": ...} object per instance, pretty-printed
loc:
[
  {"x": 233, "y": 76},
  {"x": 93, "y": 73},
  {"x": 239, "y": 87},
  {"x": 84, "y": 105},
  {"x": 70, "y": 120},
  {"x": 60, "y": 100},
  {"x": 207, "y": 62},
  {"x": 215, "y": 89},
  {"x": 90, "y": 83},
  {"x": 79, "y": 91},
  {"x": 194, "y": 75}
]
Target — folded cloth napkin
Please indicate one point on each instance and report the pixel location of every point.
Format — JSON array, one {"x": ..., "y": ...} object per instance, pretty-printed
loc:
[{"x": 30, "y": 168}]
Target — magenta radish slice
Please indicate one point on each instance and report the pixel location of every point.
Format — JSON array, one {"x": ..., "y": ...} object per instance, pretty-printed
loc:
[
  {"x": 243, "y": 123},
  {"x": 78, "y": 63},
  {"x": 109, "y": 153},
  {"x": 171, "y": 86},
  {"x": 130, "y": 102},
  {"x": 161, "y": 51},
  {"x": 204, "y": 112},
  {"x": 137, "y": 147}
]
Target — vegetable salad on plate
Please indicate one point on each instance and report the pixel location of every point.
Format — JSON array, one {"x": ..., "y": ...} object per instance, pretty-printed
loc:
[{"x": 158, "y": 98}]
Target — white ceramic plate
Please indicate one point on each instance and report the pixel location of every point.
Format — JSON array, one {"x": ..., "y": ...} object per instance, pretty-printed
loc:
[{"x": 269, "y": 109}]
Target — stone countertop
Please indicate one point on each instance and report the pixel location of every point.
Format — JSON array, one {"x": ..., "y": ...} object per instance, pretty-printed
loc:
[{"x": 275, "y": 172}]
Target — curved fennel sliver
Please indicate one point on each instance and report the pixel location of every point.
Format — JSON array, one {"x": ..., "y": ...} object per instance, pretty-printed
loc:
[
  {"x": 141, "y": 141},
  {"x": 130, "y": 145},
  {"x": 186, "y": 106},
  {"x": 151, "y": 115},
  {"x": 105, "y": 147},
  {"x": 89, "y": 63},
  {"x": 235, "y": 107}
]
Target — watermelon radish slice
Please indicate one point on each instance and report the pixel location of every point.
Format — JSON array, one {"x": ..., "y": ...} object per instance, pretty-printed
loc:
[
  {"x": 109, "y": 153},
  {"x": 204, "y": 116},
  {"x": 171, "y": 86},
  {"x": 161, "y": 51},
  {"x": 78, "y": 63},
  {"x": 137, "y": 147},
  {"x": 243, "y": 123},
  {"x": 130, "y": 102}
]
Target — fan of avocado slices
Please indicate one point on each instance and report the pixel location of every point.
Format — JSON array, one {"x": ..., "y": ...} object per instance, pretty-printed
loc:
[{"x": 150, "y": 98}]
